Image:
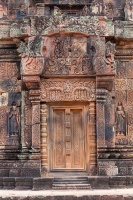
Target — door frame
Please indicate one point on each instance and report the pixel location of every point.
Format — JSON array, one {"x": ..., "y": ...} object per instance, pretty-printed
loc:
[{"x": 85, "y": 112}]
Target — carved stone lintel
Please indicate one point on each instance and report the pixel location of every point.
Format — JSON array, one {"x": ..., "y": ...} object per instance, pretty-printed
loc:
[{"x": 68, "y": 90}]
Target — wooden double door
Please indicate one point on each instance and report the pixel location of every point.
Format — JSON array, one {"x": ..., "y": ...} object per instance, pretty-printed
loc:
[{"x": 68, "y": 125}]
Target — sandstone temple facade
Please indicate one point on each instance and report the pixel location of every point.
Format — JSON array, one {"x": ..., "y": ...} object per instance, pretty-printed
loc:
[{"x": 66, "y": 92}]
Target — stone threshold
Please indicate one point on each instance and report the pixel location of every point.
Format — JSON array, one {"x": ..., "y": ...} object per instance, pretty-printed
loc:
[{"x": 112, "y": 194}]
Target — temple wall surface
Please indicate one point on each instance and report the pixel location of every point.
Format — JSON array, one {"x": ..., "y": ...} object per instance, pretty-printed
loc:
[{"x": 66, "y": 88}]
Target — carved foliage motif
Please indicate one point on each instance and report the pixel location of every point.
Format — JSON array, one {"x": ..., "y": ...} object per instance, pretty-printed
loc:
[
  {"x": 8, "y": 77},
  {"x": 32, "y": 65},
  {"x": 36, "y": 125},
  {"x": 27, "y": 120},
  {"x": 68, "y": 90},
  {"x": 8, "y": 70},
  {"x": 69, "y": 57},
  {"x": 100, "y": 124},
  {"x": 3, "y": 124}
]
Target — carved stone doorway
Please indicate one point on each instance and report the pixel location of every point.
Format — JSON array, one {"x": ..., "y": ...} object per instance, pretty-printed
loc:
[{"x": 67, "y": 138}]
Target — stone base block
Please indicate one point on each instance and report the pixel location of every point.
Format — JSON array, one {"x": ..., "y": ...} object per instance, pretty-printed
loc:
[
  {"x": 9, "y": 183},
  {"x": 118, "y": 182},
  {"x": 1, "y": 183},
  {"x": 42, "y": 183},
  {"x": 99, "y": 182},
  {"x": 30, "y": 172},
  {"x": 24, "y": 183}
]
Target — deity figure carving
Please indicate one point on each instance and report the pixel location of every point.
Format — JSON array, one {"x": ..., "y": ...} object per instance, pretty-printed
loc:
[
  {"x": 120, "y": 119},
  {"x": 3, "y": 11},
  {"x": 109, "y": 9},
  {"x": 109, "y": 54},
  {"x": 22, "y": 11},
  {"x": 86, "y": 11},
  {"x": 13, "y": 120},
  {"x": 94, "y": 8},
  {"x": 129, "y": 10},
  {"x": 2, "y": 99}
]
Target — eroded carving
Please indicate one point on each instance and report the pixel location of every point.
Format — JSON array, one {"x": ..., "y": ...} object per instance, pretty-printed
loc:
[
  {"x": 120, "y": 119},
  {"x": 129, "y": 10},
  {"x": 110, "y": 61},
  {"x": 3, "y": 124},
  {"x": 70, "y": 57},
  {"x": 32, "y": 65},
  {"x": 14, "y": 121},
  {"x": 3, "y": 10}
]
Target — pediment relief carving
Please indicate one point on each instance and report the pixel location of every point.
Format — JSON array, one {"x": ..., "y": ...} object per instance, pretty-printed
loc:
[{"x": 69, "y": 56}]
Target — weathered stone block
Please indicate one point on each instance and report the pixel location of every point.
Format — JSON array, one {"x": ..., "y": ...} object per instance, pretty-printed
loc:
[
  {"x": 111, "y": 197},
  {"x": 1, "y": 183},
  {"x": 24, "y": 183},
  {"x": 129, "y": 180},
  {"x": 9, "y": 183},
  {"x": 42, "y": 183},
  {"x": 14, "y": 172},
  {"x": 117, "y": 182},
  {"x": 30, "y": 172},
  {"x": 99, "y": 182}
]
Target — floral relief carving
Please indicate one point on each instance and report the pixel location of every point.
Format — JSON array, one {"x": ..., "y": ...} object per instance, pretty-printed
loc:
[
  {"x": 68, "y": 90},
  {"x": 69, "y": 57}
]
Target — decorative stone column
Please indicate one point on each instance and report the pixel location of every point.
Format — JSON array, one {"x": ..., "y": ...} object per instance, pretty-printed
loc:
[
  {"x": 100, "y": 116},
  {"x": 104, "y": 108},
  {"x": 31, "y": 69},
  {"x": 35, "y": 100}
]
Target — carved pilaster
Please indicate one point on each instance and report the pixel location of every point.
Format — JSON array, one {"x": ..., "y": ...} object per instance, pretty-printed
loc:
[
  {"x": 35, "y": 125},
  {"x": 109, "y": 120},
  {"x": 44, "y": 139},
  {"x": 100, "y": 114},
  {"x": 35, "y": 100},
  {"x": 98, "y": 43}
]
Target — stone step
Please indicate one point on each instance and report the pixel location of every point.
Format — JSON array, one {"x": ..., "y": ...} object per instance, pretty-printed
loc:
[
  {"x": 70, "y": 180},
  {"x": 72, "y": 177},
  {"x": 70, "y": 186},
  {"x": 71, "y": 183}
]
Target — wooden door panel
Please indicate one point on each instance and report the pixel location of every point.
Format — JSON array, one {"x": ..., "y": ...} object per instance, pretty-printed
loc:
[
  {"x": 58, "y": 138},
  {"x": 78, "y": 139},
  {"x": 68, "y": 138}
]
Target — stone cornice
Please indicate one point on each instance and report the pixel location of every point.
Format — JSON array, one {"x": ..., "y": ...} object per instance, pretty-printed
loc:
[
  {"x": 48, "y": 26},
  {"x": 51, "y": 25}
]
